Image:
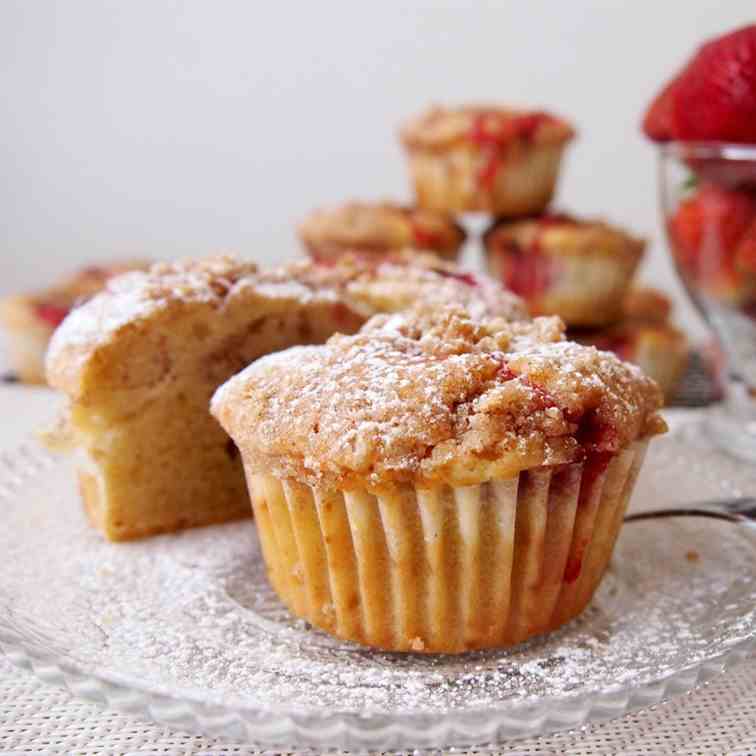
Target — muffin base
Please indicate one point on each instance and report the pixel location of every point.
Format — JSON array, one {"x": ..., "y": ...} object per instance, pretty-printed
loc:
[
  {"x": 454, "y": 180},
  {"x": 585, "y": 291},
  {"x": 444, "y": 569}
]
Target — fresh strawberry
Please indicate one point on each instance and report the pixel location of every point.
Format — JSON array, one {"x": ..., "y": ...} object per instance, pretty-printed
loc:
[
  {"x": 714, "y": 96},
  {"x": 658, "y": 123},
  {"x": 745, "y": 254},
  {"x": 707, "y": 231}
]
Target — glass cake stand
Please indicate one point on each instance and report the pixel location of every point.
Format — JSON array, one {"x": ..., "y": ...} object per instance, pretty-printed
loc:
[{"x": 184, "y": 629}]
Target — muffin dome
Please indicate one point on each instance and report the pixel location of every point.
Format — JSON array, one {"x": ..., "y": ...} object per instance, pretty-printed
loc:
[{"x": 435, "y": 395}]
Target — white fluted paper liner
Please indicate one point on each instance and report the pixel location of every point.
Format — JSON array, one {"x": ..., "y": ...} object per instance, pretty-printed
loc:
[
  {"x": 450, "y": 180},
  {"x": 444, "y": 569}
]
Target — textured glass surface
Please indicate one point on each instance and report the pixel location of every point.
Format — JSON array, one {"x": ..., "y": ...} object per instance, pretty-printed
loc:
[{"x": 184, "y": 629}]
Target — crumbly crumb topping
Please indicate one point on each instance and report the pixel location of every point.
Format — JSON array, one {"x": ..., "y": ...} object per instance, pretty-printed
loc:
[
  {"x": 131, "y": 301},
  {"x": 563, "y": 235},
  {"x": 382, "y": 225},
  {"x": 487, "y": 126},
  {"x": 402, "y": 279},
  {"x": 134, "y": 296},
  {"x": 434, "y": 394}
]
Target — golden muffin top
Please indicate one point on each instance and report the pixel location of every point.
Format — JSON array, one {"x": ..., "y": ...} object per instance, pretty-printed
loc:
[
  {"x": 101, "y": 346},
  {"x": 379, "y": 227},
  {"x": 486, "y": 126},
  {"x": 563, "y": 235},
  {"x": 434, "y": 395}
]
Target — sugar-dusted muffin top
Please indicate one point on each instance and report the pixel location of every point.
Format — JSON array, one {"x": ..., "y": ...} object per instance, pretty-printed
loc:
[
  {"x": 434, "y": 396},
  {"x": 379, "y": 227},
  {"x": 226, "y": 288},
  {"x": 400, "y": 280},
  {"x": 561, "y": 234},
  {"x": 126, "y": 305},
  {"x": 483, "y": 125}
]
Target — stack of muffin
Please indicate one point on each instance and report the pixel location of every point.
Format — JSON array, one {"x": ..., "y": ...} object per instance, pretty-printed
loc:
[{"x": 506, "y": 163}]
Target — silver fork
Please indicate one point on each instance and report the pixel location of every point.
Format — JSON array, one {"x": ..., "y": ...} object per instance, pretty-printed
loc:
[{"x": 741, "y": 510}]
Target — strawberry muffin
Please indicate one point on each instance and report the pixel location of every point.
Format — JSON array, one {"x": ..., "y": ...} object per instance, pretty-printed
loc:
[
  {"x": 490, "y": 159},
  {"x": 378, "y": 229},
  {"x": 31, "y": 319},
  {"x": 560, "y": 265},
  {"x": 437, "y": 482},
  {"x": 140, "y": 361}
]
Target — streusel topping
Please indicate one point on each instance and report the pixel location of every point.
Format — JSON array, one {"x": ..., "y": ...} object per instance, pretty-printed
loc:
[
  {"x": 129, "y": 298},
  {"x": 434, "y": 395},
  {"x": 381, "y": 225},
  {"x": 564, "y": 235},
  {"x": 483, "y": 125},
  {"x": 403, "y": 279},
  {"x": 352, "y": 286}
]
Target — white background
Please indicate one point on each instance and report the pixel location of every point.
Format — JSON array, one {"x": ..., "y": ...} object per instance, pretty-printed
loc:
[{"x": 178, "y": 128}]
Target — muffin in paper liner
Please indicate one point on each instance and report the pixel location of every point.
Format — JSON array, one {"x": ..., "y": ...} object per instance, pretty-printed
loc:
[
  {"x": 139, "y": 362},
  {"x": 486, "y": 159},
  {"x": 578, "y": 269},
  {"x": 445, "y": 569},
  {"x": 439, "y": 483}
]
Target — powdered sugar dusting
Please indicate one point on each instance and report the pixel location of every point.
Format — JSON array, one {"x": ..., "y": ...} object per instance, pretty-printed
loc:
[
  {"x": 431, "y": 392},
  {"x": 193, "y": 617}
]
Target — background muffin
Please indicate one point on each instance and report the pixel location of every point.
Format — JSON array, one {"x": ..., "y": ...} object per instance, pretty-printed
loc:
[
  {"x": 30, "y": 319},
  {"x": 491, "y": 159},
  {"x": 577, "y": 269},
  {"x": 379, "y": 228},
  {"x": 140, "y": 361},
  {"x": 436, "y": 482}
]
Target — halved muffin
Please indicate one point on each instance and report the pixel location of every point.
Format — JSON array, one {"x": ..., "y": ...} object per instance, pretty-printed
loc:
[
  {"x": 485, "y": 158},
  {"x": 560, "y": 265},
  {"x": 140, "y": 361},
  {"x": 439, "y": 482},
  {"x": 30, "y": 319},
  {"x": 379, "y": 229}
]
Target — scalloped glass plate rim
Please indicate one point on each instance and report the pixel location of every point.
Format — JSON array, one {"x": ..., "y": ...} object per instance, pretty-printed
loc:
[
  {"x": 553, "y": 711},
  {"x": 181, "y": 695}
]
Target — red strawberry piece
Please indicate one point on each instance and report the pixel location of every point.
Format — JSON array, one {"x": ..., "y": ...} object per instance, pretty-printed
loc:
[
  {"x": 52, "y": 314},
  {"x": 425, "y": 238},
  {"x": 493, "y": 133},
  {"x": 707, "y": 227},
  {"x": 464, "y": 277},
  {"x": 658, "y": 123},
  {"x": 727, "y": 172},
  {"x": 745, "y": 254}
]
